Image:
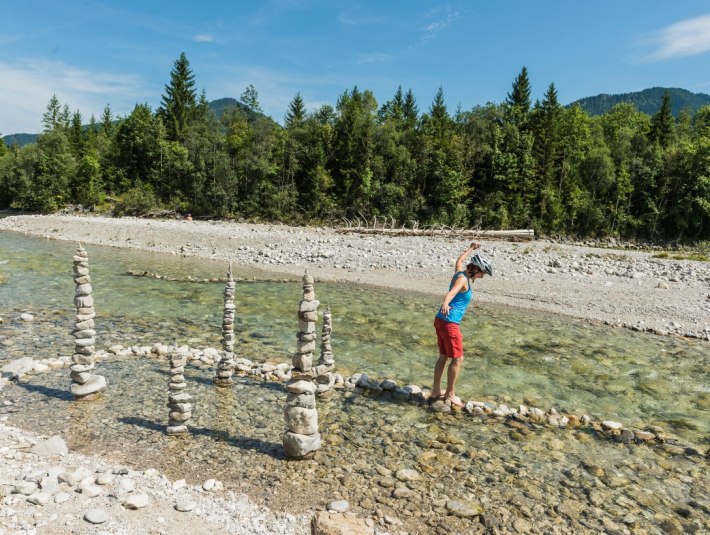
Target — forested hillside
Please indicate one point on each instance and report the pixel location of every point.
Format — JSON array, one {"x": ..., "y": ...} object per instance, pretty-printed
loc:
[
  {"x": 19, "y": 139},
  {"x": 648, "y": 101},
  {"x": 517, "y": 164}
]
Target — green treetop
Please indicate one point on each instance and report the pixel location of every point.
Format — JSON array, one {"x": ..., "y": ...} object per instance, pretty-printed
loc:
[
  {"x": 179, "y": 101},
  {"x": 662, "y": 123}
]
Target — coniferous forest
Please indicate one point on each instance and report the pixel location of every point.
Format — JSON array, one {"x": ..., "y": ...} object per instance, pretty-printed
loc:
[{"x": 517, "y": 164}]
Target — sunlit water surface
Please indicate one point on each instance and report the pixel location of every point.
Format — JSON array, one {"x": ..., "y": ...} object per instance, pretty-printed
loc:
[{"x": 511, "y": 355}]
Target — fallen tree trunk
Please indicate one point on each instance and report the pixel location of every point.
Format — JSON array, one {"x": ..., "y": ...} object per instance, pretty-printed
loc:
[{"x": 520, "y": 234}]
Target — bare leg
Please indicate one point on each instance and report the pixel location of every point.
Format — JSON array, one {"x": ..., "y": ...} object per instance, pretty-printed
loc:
[
  {"x": 438, "y": 373},
  {"x": 452, "y": 375}
]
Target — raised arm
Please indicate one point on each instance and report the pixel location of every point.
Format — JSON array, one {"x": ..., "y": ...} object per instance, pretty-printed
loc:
[{"x": 461, "y": 259}]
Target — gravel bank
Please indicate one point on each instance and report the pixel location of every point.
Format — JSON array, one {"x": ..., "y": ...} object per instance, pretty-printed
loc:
[
  {"x": 623, "y": 288},
  {"x": 46, "y": 489}
]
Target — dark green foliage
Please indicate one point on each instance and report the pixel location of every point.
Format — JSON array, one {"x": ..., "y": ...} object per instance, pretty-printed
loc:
[
  {"x": 52, "y": 115},
  {"x": 138, "y": 200},
  {"x": 107, "y": 126},
  {"x": 296, "y": 113},
  {"x": 353, "y": 150},
  {"x": 138, "y": 150},
  {"x": 518, "y": 100},
  {"x": 648, "y": 101},
  {"x": 553, "y": 168},
  {"x": 662, "y": 123},
  {"x": 179, "y": 101}
]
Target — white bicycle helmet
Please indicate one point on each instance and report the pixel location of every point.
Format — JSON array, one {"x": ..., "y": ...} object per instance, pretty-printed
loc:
[{"x": 482, "y": 263}]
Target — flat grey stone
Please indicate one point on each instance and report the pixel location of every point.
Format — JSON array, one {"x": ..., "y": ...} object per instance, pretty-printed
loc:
[
  {"x": 91, "y": 491},
  {"x": 96, "y": 516},
  {"x": 407, "y": 474},
  {"x": 137, "y": 501},
  {"x": 298, "y": 446},
  {"x": 185, "y": 506},
  {"x": 25, "y": 488},
  {"x": 339, "y": 506},
  {"x": 97, "y": 383},
  {"x": 52, "y": 446},
  {"x": 464, "y": 510},
  {"x": 611, "y": 425},
  {"x": 61, "y": 497},
  {"x": 39, "y": 498},
  {"x": 17, "y": 368}
]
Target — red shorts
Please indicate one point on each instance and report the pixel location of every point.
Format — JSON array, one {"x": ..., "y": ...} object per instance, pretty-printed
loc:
[{"x": 449, "y": 337}]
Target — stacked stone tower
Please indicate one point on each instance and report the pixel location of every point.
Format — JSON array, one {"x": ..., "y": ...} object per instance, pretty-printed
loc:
[
  {"x": 225, "y": 367},
  {"x": 178, "y": 400},
  {"x": 325, "y": 379},
  {"x": 302, "y": 437},
  {"x": 85, "y": 385}
]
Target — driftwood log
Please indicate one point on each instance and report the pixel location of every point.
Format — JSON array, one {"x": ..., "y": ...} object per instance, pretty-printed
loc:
[{"x": 520, "y": 234}]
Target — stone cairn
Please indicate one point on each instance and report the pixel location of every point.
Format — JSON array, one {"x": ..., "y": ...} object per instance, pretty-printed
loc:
[
  {"x": 302, "y": 437},
  {"x": 325, "y": 378},
  {"x": 85, "y": 385},
  {"x": 225, "y": 367},
  {"x": 178, "y": 400}
]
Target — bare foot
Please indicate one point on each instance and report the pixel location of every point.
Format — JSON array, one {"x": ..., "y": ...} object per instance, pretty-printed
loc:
[{"x": 436, "y": 397}]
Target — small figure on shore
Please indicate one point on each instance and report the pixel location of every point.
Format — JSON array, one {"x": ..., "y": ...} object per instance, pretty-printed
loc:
[
  {"x": 447, "y": 321},
  {"x": 188, "y": 217}
]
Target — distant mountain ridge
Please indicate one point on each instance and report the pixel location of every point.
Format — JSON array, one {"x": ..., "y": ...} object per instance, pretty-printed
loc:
[
  {"x": 647, "y": 101},
  {"x": 19, "y": 139}
]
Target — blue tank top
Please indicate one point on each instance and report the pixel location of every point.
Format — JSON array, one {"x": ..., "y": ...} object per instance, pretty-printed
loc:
[{"x": 459, "y": 303}]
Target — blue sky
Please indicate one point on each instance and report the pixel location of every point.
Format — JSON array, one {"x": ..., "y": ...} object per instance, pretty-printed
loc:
[{"x": 90, "y": 53}]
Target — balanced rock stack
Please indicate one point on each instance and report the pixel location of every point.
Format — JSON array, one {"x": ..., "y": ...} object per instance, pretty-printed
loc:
[
  {"x": 85, "y": 385},
  {"x": 302, "y": 437},
  {"x": 225, "y": 367},
  {"x": 178, "y": 400},
  {"x": 325, "y": 379}
]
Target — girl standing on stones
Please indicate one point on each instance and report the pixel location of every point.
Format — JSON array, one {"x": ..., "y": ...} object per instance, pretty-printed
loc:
[{"x": 447, "y": 321}]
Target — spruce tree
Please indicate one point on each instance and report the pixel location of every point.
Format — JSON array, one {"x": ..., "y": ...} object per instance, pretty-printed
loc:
[
  {"x": 518, "y": 100},
  {"x": 296, "y": 112},
  {"x": 178, "y": 104},
  {"x": 50, "y": 118},
  {"x": 662, "y": 123},
  {"x": 520, "y": 94},
  {"x": 107, "y": 121},
  {"x": 410, "y": 110},
  {"x": 76, "y": 135}
]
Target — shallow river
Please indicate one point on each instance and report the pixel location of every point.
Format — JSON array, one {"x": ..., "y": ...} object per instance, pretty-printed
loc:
[{"x": 544, "y": 477}]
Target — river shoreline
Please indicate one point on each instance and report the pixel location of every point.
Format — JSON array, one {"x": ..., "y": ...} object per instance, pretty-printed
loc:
[{"x": 622, "y": 288}]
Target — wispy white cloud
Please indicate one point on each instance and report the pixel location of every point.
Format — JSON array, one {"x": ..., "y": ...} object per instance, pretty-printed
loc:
[
  {"x": 688, "y": 37},
  {"x": 437, "y": 20},
  {"x": 374, "y": 57},
  {"x": 204, "y": 38},
  {"x": 27, "y": 86}
]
